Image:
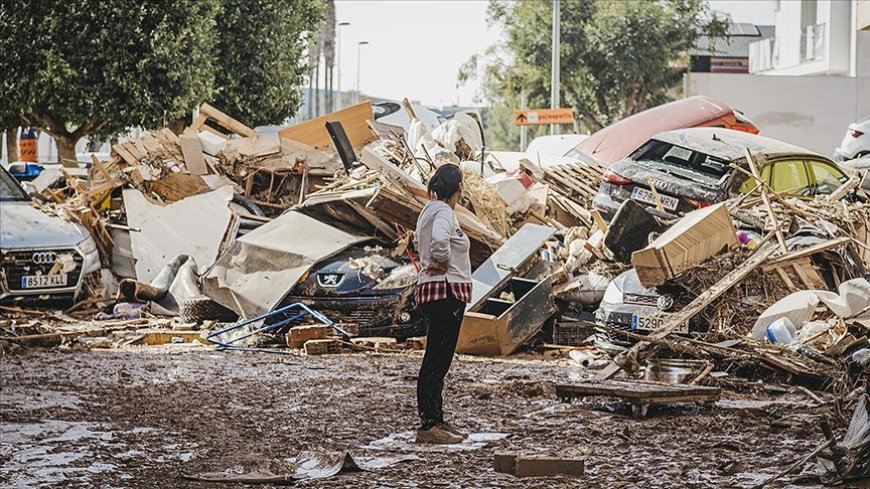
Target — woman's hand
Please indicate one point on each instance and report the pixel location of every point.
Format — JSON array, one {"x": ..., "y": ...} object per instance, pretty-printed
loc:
[{"x": 437, "y": 268}]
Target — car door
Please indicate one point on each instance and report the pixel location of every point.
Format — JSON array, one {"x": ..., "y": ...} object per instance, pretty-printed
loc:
[{"x": 825, "y": 177}]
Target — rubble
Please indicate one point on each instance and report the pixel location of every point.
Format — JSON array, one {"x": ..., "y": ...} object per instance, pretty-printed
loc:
[{"x": 221, "y": 229}]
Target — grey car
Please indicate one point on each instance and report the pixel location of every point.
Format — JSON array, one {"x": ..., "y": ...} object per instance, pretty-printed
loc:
[
  {"x": 41, "y": 256},
  {"x": 693, "y": 168}
]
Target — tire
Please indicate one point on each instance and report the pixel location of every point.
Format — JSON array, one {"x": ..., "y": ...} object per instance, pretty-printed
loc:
[{"x": 199, "y": 309}]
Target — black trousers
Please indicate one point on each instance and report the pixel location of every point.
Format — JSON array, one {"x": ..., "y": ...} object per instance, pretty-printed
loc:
[{"x": 444, "y": 318}]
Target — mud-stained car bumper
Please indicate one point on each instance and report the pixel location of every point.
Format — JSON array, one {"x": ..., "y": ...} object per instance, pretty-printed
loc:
[
  {"x": 383, "y": 315},
  {"x": 15, "y": 264}
]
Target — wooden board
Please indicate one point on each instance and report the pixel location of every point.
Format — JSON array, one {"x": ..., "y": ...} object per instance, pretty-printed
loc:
[
  {"x": 191, "y": 148},
  {"x": 808, "y": 251},
  {"x": 353, "y": 119},
  {"x": 640, "y": 391}
]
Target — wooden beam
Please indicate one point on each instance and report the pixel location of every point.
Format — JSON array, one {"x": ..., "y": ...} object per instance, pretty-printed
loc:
[
  {"x": 779, "y": 237},
  {"x": 808, "y": 251},
  {"x": 225, "y": 121}
]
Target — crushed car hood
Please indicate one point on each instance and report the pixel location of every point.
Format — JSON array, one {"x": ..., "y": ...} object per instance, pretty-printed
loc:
[
  {"x": 352, "y": 272},
  {"x": 24, "y": 226},
  {"x": 689, "y": 184}
]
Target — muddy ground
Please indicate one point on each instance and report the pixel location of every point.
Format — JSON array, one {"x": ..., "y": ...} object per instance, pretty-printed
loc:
[{"x": 142, "y": 417}]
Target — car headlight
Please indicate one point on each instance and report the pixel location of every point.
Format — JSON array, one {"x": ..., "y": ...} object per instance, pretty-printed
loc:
[
  {"x": 612, "y": 295},
  {"x": 87, "y": 246},
  {"x": 399, "y": 278}
]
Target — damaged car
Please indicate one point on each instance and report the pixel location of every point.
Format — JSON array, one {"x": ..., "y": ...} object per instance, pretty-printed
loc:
[
  {"x": 630, "y": 306},
  {"x": 694, "y": 168},
  {"x": 366, "y": 290},
  {"x": 41, "y": 256}
]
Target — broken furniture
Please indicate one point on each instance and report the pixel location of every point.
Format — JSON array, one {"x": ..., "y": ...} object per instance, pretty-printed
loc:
[
  {"x": 640, "y": 393},
  {"x": 506, "y": 310},
  {"x": 353, "y": 119},
  {"x": 698, "y": 236}
]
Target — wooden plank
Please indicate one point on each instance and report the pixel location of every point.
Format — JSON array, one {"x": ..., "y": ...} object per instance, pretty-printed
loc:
[
  {"x": 197, "y": 123},
  {"x": 353, "y": 119},
  {"x": 641, "y": 392},
  {"x": 807, "y": 273},
  {"x": 808, "y": 251},
  {"x": 652, "y": 187},
  {"x": 226, "y": 121},
  {"x": 121, "y": 150},
  {"x": 764, "y": 198},
  {"x": 574, "y": 181},
  {"x": 786, "y": 279},
  {"x": 600, "y": 221},
  {"x": 191, "y": 148}
]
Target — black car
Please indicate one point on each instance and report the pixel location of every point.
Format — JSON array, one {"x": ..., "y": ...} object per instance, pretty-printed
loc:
[
  {"x": 694, "y": 168},
  {"x": 365, "y": 290}
]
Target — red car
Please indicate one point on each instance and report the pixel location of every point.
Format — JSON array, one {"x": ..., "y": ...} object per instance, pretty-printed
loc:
[{"x": 620, "y": 139}]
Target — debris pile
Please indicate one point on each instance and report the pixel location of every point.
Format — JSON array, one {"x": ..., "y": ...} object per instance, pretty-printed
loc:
[{"x": 203, "y": 224}]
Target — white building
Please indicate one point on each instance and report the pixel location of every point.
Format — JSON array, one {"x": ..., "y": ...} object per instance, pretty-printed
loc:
[
  {"x": 807, "y": 83},
  {"x": 816, "y": 37}
]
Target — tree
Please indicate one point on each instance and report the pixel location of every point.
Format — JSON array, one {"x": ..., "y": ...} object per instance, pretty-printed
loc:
[
  {"x": 260, "y": 45},
  {"x": 617, "y": 57},
  {"x": 83, "y": 68}
]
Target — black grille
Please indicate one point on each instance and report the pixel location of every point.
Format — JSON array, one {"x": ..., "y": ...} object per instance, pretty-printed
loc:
[
  {"x": 359, "y": 316},
  {"x": 17, "y": 264},
  {"x": 644, "y": 300}
]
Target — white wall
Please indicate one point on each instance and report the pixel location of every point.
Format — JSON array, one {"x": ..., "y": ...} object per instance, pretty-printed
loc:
[{"x": 809, "y": 111}]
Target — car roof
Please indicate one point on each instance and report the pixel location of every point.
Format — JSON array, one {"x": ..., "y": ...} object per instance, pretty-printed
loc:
[
  {"x": 728, "y": 144},
  {"x": 621, "y": 138}
]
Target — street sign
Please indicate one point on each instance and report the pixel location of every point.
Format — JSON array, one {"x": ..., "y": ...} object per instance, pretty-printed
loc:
[{"x": 539, "y": 117}]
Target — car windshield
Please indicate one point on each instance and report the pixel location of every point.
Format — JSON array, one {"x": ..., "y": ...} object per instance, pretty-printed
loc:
[
  {"x": 579, "y": 155},
  {"x": 681, "y": 158},
  {"x": 10, "y": 190}
]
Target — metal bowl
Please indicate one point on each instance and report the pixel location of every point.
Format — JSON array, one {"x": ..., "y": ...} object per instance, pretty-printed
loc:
[{"x": 672, "y": 370}]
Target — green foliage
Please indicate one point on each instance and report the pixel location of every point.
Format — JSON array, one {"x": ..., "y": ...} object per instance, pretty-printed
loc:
[
  {"x": 261, "y": 45},
  {"x": 82, "y": 67},
  {"x": 617, "y": 57}
]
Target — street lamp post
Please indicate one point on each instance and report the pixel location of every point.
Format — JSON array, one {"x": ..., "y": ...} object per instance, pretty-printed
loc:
[
  {"x": 359, "y": 46},
  {"x": 338, "y": 55},
  {"x": 554, "y": 75}
]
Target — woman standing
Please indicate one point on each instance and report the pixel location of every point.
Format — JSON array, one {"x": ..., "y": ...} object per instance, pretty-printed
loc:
[{"x": 443, "y": 289}]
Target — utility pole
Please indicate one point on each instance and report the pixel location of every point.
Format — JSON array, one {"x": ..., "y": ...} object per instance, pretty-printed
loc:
[
  {"x": 359, "y": 46},
  {"x": 524, "y": 130},
  {"x": 338, "y": 55},
  {"x": 554, "y": 75}
]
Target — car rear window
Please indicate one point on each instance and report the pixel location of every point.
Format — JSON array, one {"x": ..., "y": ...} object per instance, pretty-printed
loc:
[{"x": 682, "y": 158}]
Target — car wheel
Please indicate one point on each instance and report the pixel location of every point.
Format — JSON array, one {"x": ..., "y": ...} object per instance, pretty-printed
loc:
[{"x": 199, "y": 309}]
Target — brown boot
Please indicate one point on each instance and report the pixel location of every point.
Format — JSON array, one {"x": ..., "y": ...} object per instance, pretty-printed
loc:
[
  {"x": 437, "y": 435},
  {"x": 453, "y": 429}
]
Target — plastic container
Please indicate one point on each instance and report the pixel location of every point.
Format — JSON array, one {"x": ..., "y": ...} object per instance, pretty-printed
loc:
[
  {"x": 128, "y": 310},
  {"x": 781, "y": 331}
]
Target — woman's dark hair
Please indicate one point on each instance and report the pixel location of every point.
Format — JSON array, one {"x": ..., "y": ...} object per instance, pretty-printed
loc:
[{"x": 445, "y": 181}]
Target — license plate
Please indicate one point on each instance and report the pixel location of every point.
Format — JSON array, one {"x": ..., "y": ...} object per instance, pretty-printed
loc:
[
  {"x": 643, "y": 322},
  {"x": 43, "y": 281},
  {"x": 647, "y": 196}
]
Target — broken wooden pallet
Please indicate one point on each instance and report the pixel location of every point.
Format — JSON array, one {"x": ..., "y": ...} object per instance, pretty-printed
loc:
[{"x": 640, "y": 393}]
